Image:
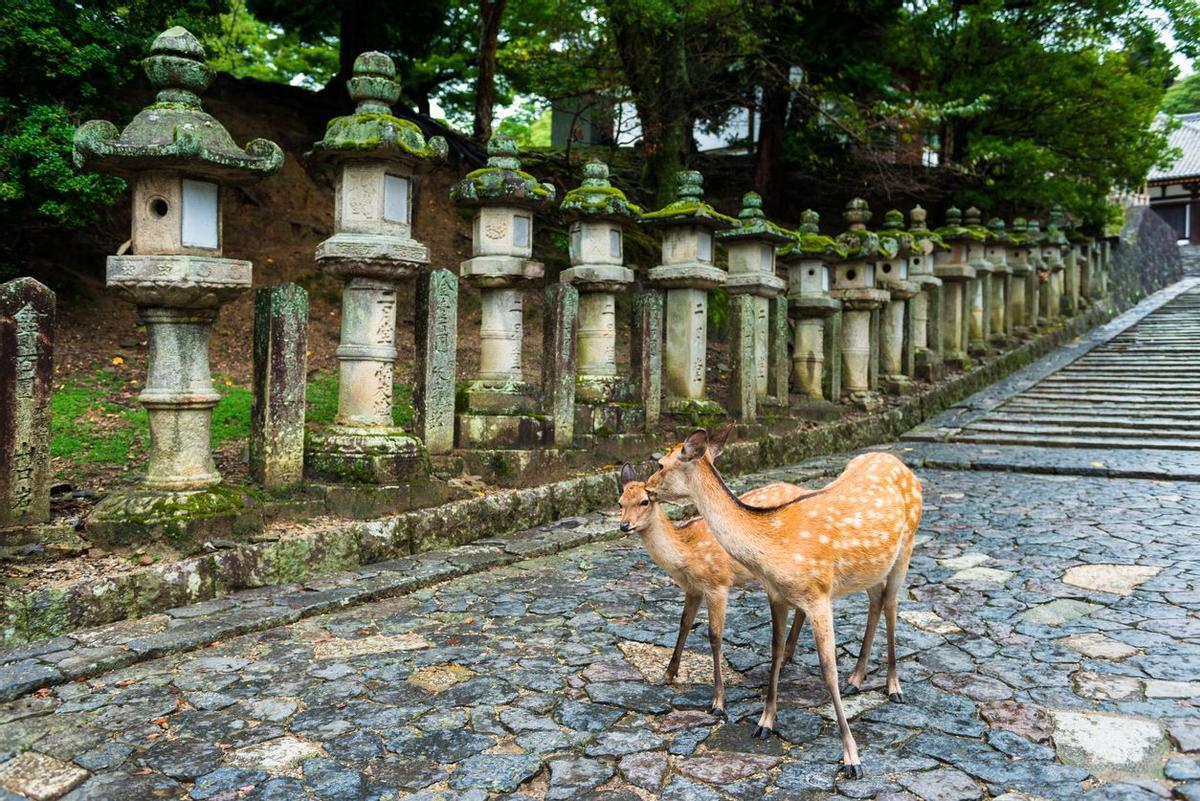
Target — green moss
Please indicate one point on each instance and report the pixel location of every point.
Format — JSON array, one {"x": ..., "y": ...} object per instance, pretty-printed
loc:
[
  {"x": 379, "y": 132},
  {"x": 684, "y": 210}
]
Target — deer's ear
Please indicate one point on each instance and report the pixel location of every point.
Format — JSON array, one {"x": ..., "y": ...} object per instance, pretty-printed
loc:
[
  {"x": 717, "y": 444},
  {"x": 626, "y": 474},
  {"x": 694, "y": 446}
]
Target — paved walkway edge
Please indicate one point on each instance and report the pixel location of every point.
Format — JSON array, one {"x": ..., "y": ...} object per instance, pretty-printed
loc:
[{"x": 253, "y": 574}]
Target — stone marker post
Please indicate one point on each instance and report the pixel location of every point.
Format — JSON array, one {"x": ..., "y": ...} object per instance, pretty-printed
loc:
[
  {"x": 1001, "y": 282},
  {"x": 501, "y": 406},
  {"x": 435, "y": 330},
  {"x": 1085, "y": 263},
  {"x": 26, "y": 386},
  {"x": 1055, "y": 250},
  {"x": 559, "y": 317},
  {"x": 743, "y": 388},
  {"x": 597, "y": 214},
  {"x": 646, "y": 357},
  {"x": 751, "y": 249},
  {"x": 376, "y": 159},
  {"x": 280, "y": 379},
  {"x": 177, "y": 158},
  {"x": 897, "y": 322},
  {"x": 854, "y": 285},
  {"x": 979, "y": 291},
  {"x": 951, "y": 266},
  {"x": 1036, "y": 279},
  {"x": 815, "y": 353},
  {"x": 927, "y": 305},
  {"x": 687, "y": 274}
]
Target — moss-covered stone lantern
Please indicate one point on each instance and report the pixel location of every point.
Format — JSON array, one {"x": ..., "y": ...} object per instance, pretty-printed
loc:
[
  {"x": 750, "y": 247},
  {"x": 1020, "y": 267},
  {"x": 597, "y": 213},
  {"x": 854, "y": 285},
  {"x": 896, "y": 336},
  {"x": 979, "y": 290},
  {"x": 501, "y": 407},
  {"x": 1062, "y": 267},
  {"x": 1077, "y": 266},
  {"x": 177, "y": 159},
  {"x": 688, "y": 272},
  {"x": 1001, "y": 282},
  {"x": 1054, "y": 246},
  {"x": 1039, "y": 274},
  {"x": 817, "y": 345},
  {"x": 376, "y": 159},
  {"x": 951, "y": 265},
  {"x": 926, "y": 306}
]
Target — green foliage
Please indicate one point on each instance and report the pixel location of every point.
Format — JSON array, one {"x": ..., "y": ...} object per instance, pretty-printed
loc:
[
  {"x": 245, "y": 46},
  {"x": 60, "y": 64},
  {"x": 91, "y": 424},
  {"x": 528, "y": 125},
  {"x": 1183, "y": 97}
]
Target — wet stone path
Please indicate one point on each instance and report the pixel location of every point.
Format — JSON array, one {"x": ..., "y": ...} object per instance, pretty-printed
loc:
[{"x": 1049, "y": 646}]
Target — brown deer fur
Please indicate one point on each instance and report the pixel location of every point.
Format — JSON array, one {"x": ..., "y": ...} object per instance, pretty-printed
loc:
[
  {"x": 854, "y": 534},
  {"x": 698, "y": 564}
]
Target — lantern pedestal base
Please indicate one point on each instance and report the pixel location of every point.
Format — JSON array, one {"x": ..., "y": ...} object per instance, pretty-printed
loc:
[
  {"x": 366, "y": 455},
  {"x": 897, "y": 385},
  {"x": 817, "y": 409},
  {"x": 184, "y": 520},
  {"x": 500, "y": 397},
  {"x": 929, "y": 365},
  {"x": 698, "y": 411},
  {"x": 609, "y": 419},
  {"x": 865, "y": 399},
  {"x": 502, "y": 431}
]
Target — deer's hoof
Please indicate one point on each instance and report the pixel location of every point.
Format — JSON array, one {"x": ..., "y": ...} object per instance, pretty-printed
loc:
[
  {"x": 896, "y": 698},
  {"x": 763, "y": 732},
  {"x": 668, "y": 678},
  {"x": 851, "y": 689},
  {"x": 854, "y": 771},
  {"x": 716, "y": 711}
]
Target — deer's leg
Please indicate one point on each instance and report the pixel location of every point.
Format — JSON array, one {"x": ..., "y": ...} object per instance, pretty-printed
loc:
[
  {"x": 794, "y": 635},
  {"x": 779, "y": 610},
  {"x": 891, "y": 598},
  {"x": 716, "y": 633},
  {"x": 854, "y": 683},
  {"x": 822, "y": 627},
  {"x": 691, "y": 605}
]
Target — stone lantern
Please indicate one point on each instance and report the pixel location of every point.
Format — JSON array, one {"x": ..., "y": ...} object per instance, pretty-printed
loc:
[
  {"x": 1077, "y": 264},
  {"x": 688, "y": 272},
  {"x": 896, "y": 338},
  {"x": 979, "y": 291},
  {"x": 751, "y": 255},
  {"x": 177, "y": 158},
  {"x": 597, "y": 213},
  {"x": 927, "y": 305},
  {"x": 375, "y": 158},
  {"x": 1020, "y": 265},
  {"x": 501, "y": 406},
  {"x": 1001, "y": 282},
  {"x": 1038, "y": 273},
  {"x": 817, "y": 346},
  {"x": 854, "y": 285},
  {"x": 951, "y": 265}
]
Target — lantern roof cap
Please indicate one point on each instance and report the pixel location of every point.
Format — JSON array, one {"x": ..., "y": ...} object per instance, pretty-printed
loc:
[
  {"x": 918, "y": 228},
  {"x": 752, "y": 223},
  {"x": 596, "y": 198},
  {"x": 809, "y": 242},
  {"x": 689, "y": 206},
  {"x": 502, "y": 182},
  {"x": 174, "y": 132},
  {"x": 372, "y": 131}
]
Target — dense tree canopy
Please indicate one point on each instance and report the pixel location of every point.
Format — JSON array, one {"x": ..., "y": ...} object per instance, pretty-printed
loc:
[{"x": 1018, "y": 102}]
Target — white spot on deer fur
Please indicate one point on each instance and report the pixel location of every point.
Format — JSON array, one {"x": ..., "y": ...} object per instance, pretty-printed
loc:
[{"x": 823, "y": 539}]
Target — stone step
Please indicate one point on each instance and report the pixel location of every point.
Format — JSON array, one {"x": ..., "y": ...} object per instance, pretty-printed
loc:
[
  {"x": 1037, "y": 430},
  {"x": 993, "y": 438}
]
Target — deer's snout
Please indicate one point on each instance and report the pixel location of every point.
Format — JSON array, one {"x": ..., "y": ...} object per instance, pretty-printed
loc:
[{"x": 626, "y": 526}]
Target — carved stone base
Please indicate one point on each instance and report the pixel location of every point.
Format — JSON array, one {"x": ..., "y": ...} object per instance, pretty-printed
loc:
[
  {"x": 500, "y": 398},
  {"x": 897, "y": 384},
  {"x": 865, "y": 399},
  {"x": 603, "y": 389},
  {"x": 184, "y": 520},
  {"x": 502, "y": 431},
  {"x": 608, "y": 419},
  {"x": 367, "y": 455},
  {"x": 814, "y": 409},
  {"x": 929, "y": 365},
  {"x": 699, "y": 411}
]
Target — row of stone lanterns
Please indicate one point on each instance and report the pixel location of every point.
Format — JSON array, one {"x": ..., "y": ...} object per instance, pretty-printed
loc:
[{"x": 871, "y": 310}]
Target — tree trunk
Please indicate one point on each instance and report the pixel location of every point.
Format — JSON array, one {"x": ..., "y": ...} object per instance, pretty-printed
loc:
[
  {"x": 491, "y": 14},
  {"x": 772, "y": 130}
]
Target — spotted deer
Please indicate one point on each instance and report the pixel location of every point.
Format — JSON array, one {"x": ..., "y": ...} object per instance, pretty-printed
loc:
[
  {"x": 854, "y": 534},
  {"x": 698, "y": 565}
]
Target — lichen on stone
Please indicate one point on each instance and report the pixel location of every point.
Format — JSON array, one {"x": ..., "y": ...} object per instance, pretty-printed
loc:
[
  {"x": 954, "y": 230},
  {"x": 501, "y": 182},
  {"x": 689, "y": 205},
  {"x": 918, "y": 228},
  {"x": 807, "y": 240}
]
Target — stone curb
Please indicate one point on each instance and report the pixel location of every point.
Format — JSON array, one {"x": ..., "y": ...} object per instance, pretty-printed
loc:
[{"x": 48, "y": 614}]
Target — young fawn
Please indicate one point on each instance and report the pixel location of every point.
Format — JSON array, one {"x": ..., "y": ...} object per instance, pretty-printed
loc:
[
  {"x": 854, "y": 534},
  {"x": 698, "y": 564}
]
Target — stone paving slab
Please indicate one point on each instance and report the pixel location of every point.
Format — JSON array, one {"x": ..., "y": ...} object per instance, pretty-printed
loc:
[{"x": 512, "y": 683}]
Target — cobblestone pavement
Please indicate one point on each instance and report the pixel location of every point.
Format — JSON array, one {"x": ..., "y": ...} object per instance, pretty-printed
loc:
[{"x": 1049, "y": 646}]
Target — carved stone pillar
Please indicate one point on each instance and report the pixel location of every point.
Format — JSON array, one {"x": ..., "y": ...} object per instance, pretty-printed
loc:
[
  {"x": 807, "y": 259},
  {"x": 951, "y": 265}
]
